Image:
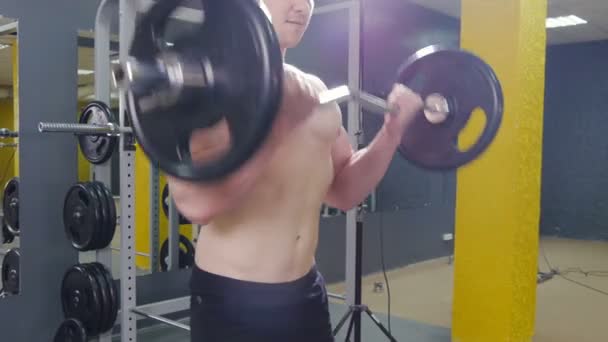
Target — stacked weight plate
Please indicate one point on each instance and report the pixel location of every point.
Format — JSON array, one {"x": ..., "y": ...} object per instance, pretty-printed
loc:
[
  {"x": 97, "y": 149},
  {"x": 90, "y": 296},
  {"x": 10, "y": 272},
  {"x": 165, "y": 205},
  {"x": 186, "y": 254},
  {"x": 10, "y": 206},
  {"x": 7, "y": 235},
  {"x": 89, "y": 216},
  {"x": 71, "y": 330}
]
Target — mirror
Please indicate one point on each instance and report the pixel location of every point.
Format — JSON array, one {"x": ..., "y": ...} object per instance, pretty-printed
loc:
[
  {"x": 151, "y": 245},
  {"x": 9, "y": 156},
  {"x": 97, "y": 156}
]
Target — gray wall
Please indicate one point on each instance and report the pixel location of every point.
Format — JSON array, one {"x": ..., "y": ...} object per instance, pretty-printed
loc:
[
  {"x": 575, "y": 151},
  {"x": 415, "y": 207},
  {"x": 48, "y": 164}
]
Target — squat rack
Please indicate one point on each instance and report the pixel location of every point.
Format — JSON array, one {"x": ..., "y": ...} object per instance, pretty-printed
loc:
[{"x": 130, "y": 312}]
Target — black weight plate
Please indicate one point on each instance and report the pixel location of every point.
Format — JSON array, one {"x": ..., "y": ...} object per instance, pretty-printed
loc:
[
  {"x": 80, "y": 298},
  {"x": 112, "y": 293},
  {"x": 103, "y": 294},
  {"x": 165, "y": 205},
  {"x": 80, "y": 217},
  {"x": 10, "y": 205},
  {"x": 111, "y": 212},
  {"x": 467, "y": 82},
  {"x": 97, "y": 149},
  {"x": 112, "y": 206},
  {"x": 71, "y": 330},
  {"x": 186, "y": 254},
  {"x": 242, "y": 48},
  {"x": 106, "y": 232},
  {"x": 99, "y": 226},
  {"x": 11, "y": 271},
  {"x": 103, "y": 232},
  {"x": 97, "y": 242},
  {"x": 7, "y": 235}
]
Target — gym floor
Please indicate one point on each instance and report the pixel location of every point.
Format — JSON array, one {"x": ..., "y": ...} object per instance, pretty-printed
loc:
[{"x": 566, "y": 311}]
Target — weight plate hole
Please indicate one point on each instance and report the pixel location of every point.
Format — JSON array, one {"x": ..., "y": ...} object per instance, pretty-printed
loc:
[{"x": 472, "y": 130}]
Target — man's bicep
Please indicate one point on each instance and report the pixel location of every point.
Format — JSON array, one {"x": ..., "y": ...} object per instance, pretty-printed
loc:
[
  {"x": 341, "y": 151},
  {"x": 341, "y": 154}
]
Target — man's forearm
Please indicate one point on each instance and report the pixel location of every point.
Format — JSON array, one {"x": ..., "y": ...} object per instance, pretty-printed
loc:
[
  {"x": 200, "y": 202},
  {"x": 364, "y": 170}
]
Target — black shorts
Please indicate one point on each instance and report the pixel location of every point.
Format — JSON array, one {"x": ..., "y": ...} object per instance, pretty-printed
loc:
[{"x": 229, "y": 310}]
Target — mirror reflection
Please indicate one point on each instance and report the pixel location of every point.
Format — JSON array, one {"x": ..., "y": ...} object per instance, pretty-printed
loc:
[
  {"x": 97, "y": 154},
  {"x": 9, "y": 154}
]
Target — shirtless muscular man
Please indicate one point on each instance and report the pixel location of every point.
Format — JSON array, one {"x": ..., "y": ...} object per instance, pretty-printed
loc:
[{"x": 255, "y": 278}]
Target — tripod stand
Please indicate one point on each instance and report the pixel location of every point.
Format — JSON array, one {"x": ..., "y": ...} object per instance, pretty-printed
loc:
[{"x": 355, "y": 309}]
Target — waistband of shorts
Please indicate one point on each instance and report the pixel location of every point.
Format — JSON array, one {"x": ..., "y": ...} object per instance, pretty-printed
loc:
[{"x": 206, "y": 283}]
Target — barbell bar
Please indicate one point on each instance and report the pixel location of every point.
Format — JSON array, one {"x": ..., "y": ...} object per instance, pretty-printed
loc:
[
  {"x": 109, "y": 129},
  {"x": 97, "y": 131},
  {"x": 436, "y": 107},
  {"x": 7, "y": 133},
  {"x": 161, "y": 319},
  {"x": 137, "y": 253}
]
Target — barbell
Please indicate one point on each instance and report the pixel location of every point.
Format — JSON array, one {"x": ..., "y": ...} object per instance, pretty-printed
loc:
[
  {"x": 7, "y": 133},
  {"x": 231, "y": 68}
]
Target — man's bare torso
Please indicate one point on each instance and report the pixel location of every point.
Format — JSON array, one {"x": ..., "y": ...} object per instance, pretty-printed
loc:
[{"x": 272, "y": 236}]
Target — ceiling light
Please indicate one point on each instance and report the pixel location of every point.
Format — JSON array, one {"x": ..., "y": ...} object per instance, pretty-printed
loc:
[
  {"x": 83, "y": 72},
  {"x": 3, "y": 46},
  {"x": 570, "y": 20}
]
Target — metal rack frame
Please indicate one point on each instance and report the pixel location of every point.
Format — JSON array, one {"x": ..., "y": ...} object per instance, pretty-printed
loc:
[{"x": 130, "y": 313}]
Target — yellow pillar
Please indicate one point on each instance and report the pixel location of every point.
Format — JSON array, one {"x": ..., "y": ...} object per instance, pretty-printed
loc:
[
  {"x": 143, "y": 207},
  {"x": 6, "y": 154},
  {"x": 15, "y": 61},
  {"x": 498, "y": 197}
]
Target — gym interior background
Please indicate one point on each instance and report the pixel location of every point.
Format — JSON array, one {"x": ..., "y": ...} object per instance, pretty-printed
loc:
[{"x": 412, "y": 227}]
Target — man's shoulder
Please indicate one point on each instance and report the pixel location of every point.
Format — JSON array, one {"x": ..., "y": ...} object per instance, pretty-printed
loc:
[{"x": 315, "y": 80}]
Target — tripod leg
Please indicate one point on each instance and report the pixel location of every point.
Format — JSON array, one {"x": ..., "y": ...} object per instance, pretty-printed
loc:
[
  {"x": 380, "y": 325},
  {"x": 343, "y": 320},
  {"x": 350, "y": 329}
]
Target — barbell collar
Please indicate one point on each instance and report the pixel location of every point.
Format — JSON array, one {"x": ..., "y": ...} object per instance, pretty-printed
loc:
[{"x": 82, "y": 129}]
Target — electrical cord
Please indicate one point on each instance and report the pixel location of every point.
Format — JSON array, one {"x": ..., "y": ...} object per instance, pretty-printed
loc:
[
  {"x": 583, "y": 285},
  {"x": 594, "y": 273},
  {"x": 562, "y": 274},
  {"x": 388, "y": 288}
]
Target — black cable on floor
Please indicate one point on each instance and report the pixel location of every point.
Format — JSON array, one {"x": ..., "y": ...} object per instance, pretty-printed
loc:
[
  {"x": 556, "y": 271},
  {"x": 583, "y": 285},
  {"x": 388, "y": 288},
  {"x": 593, "y": 273}
]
